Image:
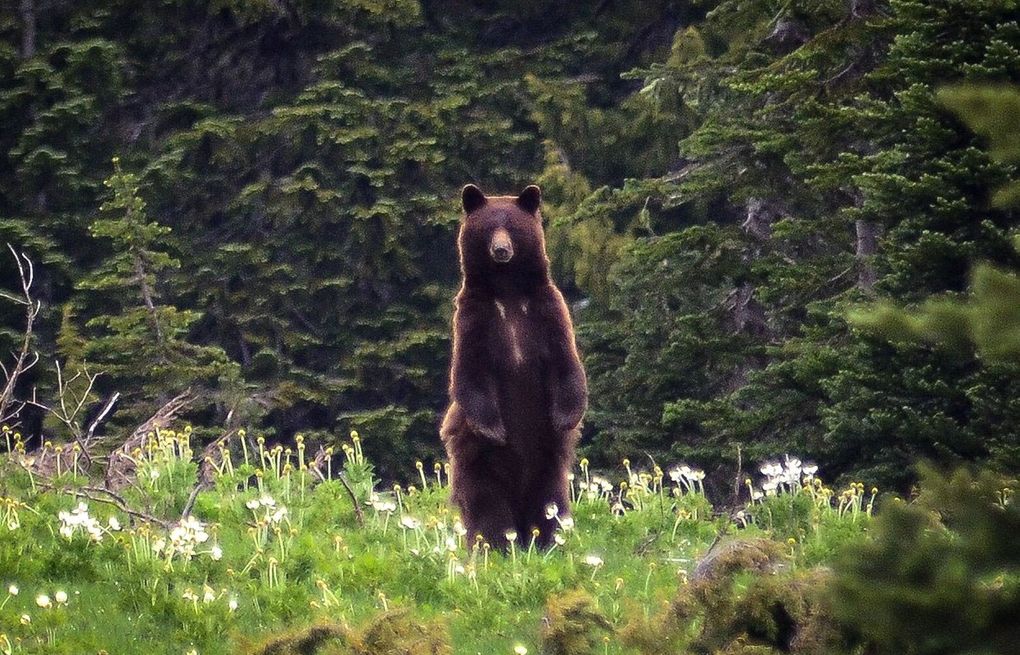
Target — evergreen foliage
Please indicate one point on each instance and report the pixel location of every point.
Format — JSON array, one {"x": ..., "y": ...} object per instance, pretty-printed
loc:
[
  {"x": 822, "y": 157},
  {"x": 126, "y": 323},
  {"x": 724, "y": 182},
  {"x": 988, "y": 321},
  {"x": 939, "y": 575}
]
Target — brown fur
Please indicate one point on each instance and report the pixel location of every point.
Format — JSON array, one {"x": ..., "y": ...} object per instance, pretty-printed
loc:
[{"x": 517, "y": 387}]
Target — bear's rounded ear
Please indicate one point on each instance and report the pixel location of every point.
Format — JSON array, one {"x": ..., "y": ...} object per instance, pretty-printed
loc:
[
  {"x": 472, "y": 198},
  {"x": 530, "y": 198}
]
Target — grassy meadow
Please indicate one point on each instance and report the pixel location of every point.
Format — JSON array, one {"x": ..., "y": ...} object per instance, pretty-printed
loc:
[{"x": 244, "y": 547}]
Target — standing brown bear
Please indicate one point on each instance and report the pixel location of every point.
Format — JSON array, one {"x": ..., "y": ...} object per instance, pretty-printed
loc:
[{"x": 517, "y": 387}]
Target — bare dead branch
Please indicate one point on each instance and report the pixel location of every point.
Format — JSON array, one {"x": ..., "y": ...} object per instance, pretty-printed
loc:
[
  {"x": 106, "y": 410},
  {"x": 71, "y": 405},
  {"x": 25, "y": 359}
]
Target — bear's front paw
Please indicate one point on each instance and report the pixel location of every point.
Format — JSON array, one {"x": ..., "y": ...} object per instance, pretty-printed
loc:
[{"x": 495, "y": 431}]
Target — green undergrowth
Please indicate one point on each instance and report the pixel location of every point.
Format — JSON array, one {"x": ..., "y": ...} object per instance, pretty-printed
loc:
[{"x": 269, "y": 556}]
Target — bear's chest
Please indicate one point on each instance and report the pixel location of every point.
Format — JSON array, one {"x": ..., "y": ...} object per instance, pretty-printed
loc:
[{"x": 516, "y": 343}]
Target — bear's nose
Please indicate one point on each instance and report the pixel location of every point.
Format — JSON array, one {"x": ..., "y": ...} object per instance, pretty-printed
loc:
[
  {"x": 502, "y": 254},
  {"x": 501, "y": 248}
]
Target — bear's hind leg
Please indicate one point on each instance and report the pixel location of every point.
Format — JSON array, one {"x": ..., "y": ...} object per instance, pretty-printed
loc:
[
  {"x": 485, "y": 505},
  {"x": 548, "y": 488}
]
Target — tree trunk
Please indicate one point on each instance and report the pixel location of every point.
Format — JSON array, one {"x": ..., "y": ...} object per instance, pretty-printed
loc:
[
  {"x": 867, "y": 246},
  {"x": 28, "y": 30},
  {"x": 150, "y": 306},
  {"x": 746, "y": 313},
  {"x": 760, "y": 214}
]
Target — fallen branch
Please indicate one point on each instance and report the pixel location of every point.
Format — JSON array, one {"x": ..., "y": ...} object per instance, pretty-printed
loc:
[
  {"x": 111, "y": 499},
  {"x": 121, "y": 504},
  {"x": 121, "y": 467}
]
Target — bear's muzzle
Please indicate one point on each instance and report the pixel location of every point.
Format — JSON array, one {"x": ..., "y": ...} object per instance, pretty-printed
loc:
[{"x": 501, "y": 248}]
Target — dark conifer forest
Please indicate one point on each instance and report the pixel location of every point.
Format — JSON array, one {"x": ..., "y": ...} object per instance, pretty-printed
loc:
[{"x": 257, "y": 201}]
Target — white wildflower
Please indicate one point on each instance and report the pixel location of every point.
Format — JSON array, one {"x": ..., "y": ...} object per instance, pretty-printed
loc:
[
  {"x": 60, "y": 597},
  {"x": 79, "y": 519},
  {"x": 551, "y": 511},
  {"x": 184, "y": 539},
  {"x": 42, "y": 600},
  {"x": 593, "y": 560},
  {"x": 277, "y": 516},
  {"x": 13, "y": 590}
]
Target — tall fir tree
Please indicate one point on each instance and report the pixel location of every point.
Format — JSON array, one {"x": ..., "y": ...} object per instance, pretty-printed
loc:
[{"x": 137, "y": 342}]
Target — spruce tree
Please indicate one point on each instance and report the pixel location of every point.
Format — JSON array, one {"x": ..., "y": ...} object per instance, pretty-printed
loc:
[{"x": 138, "y": 342}]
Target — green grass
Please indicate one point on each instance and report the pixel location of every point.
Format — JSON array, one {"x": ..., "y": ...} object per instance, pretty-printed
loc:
[{"x": 302, "y": 558}]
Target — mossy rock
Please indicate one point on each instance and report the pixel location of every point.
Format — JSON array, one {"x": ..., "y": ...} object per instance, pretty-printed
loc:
[
  {"x": 390, "y": 633},
  {"x": 572, "y": 625}
]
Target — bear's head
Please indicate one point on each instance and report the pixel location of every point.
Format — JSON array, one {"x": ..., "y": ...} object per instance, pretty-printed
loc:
[{"x": 501, "y": 241}]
